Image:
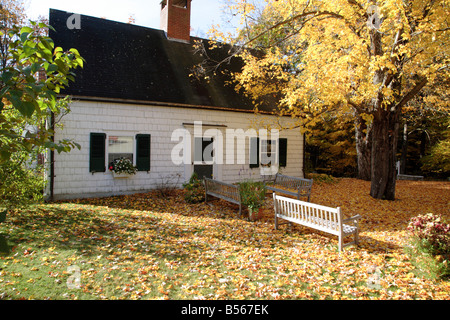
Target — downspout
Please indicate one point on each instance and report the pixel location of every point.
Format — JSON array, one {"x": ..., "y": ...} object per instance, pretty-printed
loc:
[
  {"x": 52, "y": 157},
  {"x": 304, "y": 155}
]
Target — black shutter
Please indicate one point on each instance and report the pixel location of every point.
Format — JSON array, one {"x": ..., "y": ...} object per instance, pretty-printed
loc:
[
  {"x": 143, "y": 152},
  {"x": 97, "y": 152},
  {"x": 282, "y": 152},
  {"x": 254, "y": 152}
]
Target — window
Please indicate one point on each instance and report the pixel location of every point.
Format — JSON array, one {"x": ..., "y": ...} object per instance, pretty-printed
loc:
[
  {"x": 267, "y": 152},
  {"x": 118, "y": 146}
]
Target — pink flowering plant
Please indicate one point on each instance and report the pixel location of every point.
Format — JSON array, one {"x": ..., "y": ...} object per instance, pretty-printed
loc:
[
  {"x": 432, "y": 233},
  {"x": 430, "y": 245}
]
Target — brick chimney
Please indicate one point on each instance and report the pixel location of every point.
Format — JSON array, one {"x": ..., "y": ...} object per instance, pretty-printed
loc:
[{"x": 176, "y": 19}]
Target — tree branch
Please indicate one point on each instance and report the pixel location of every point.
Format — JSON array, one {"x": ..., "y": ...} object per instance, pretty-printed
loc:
[
  {"x": 412, "y": 93},
  {"x": 296, "y": 17}
]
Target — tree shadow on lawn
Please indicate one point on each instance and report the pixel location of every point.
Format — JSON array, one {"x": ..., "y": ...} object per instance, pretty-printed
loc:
[
  {"x": 81, "y": 228},
  {"x": 89, "y": 230}
]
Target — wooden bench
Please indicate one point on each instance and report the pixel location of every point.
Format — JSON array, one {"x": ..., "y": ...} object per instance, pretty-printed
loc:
[
  {"x": 327, "y": 219},
  {"x": 282, "y": 182},
  {"x": 222, "y": 190}
]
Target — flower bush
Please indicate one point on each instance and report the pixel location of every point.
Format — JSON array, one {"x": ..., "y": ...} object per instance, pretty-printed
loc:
[
  {"x": 430, "y": 245},
  {"x": 122, "y": 165},
  {"x": 432, "y": 233}
]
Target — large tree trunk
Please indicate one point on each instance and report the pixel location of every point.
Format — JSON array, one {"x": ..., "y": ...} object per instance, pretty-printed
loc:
[
  {"x": 363, "y": 137},
  {"x": 384, "y": 146}
]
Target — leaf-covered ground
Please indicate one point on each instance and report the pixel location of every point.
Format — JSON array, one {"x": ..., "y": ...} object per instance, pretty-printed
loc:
[{"x": 147, "y": 246}]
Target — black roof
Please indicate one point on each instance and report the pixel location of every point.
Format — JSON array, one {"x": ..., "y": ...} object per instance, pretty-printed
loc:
[{"x": 134, "y": 63}]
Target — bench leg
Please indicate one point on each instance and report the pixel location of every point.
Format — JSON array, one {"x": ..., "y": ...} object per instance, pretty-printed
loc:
[
  {"x": 341, "y": 242},
  {"x": 276, "y": 222}
]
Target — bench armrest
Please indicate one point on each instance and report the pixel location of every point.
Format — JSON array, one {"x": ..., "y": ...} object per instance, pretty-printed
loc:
[{"x": 357, "y": 217}]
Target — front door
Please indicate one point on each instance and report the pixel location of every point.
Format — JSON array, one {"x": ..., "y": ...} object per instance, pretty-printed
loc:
[{"x": 203, "y": 157}]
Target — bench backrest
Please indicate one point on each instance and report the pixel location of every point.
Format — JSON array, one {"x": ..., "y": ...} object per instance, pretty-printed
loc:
[
  {"x": 221, "y": 188},
  {"x": 289, "y": 182},
  {"x": 317, "y": 216}
]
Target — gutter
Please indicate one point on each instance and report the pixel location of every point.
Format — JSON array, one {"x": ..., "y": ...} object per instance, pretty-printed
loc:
[{"x": 165, "y": 104}]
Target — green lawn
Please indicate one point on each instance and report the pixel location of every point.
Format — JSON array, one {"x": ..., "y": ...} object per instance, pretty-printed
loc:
[{"x": 151, "y": 247}]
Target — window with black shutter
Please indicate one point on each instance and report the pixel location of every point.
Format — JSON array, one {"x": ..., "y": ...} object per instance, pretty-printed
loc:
[
  {"x": 97, "y": 152},
  {"x": 143, "y": 152}
]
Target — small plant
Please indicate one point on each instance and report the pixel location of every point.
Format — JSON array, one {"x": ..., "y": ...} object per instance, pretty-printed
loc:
[
  {"x": 167, "y": 184},
  {"x": 122, "y": 165},
  {"x": 253, "y": 194},
  {"x": 194, "y": 190},
  {"x": 430, "y": 245}
]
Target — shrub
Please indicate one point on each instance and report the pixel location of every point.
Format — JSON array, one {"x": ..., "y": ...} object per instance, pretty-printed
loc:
[
  {"x": 430, "y": 245},
  {"x": 194, "y": 190},
  {"x": 253, "y": 194},
  {"x": 432, "y": 233},
  {"x": 20, "y": 185}
]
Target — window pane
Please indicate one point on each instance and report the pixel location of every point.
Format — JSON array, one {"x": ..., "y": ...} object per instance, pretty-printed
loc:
[
  {"x": 120, "y": 147},
  {"x": 268, "y": 152}
]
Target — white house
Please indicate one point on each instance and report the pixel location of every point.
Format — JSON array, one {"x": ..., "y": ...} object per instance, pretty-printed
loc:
[{"x": 136, "y": 98}]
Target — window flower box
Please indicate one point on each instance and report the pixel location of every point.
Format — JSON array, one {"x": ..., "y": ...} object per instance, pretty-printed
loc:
[
  {"x": 122, "y": 175},
  {"x": 122, "y": 168}
]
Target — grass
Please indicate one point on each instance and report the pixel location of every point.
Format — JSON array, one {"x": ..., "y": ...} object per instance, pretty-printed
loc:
[{"x": 151, "y": 247}]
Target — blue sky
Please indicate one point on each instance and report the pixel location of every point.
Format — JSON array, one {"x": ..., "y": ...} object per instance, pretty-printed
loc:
[{"x": 204, "y": 13}]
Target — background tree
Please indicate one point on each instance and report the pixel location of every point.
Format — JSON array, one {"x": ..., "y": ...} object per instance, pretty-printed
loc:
[
  {"x": 32, "y": 73},
  {"x": 330, "y": 146},
  {"x": 369, "y": 59},
  {"x": 437, "y": 160}
]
